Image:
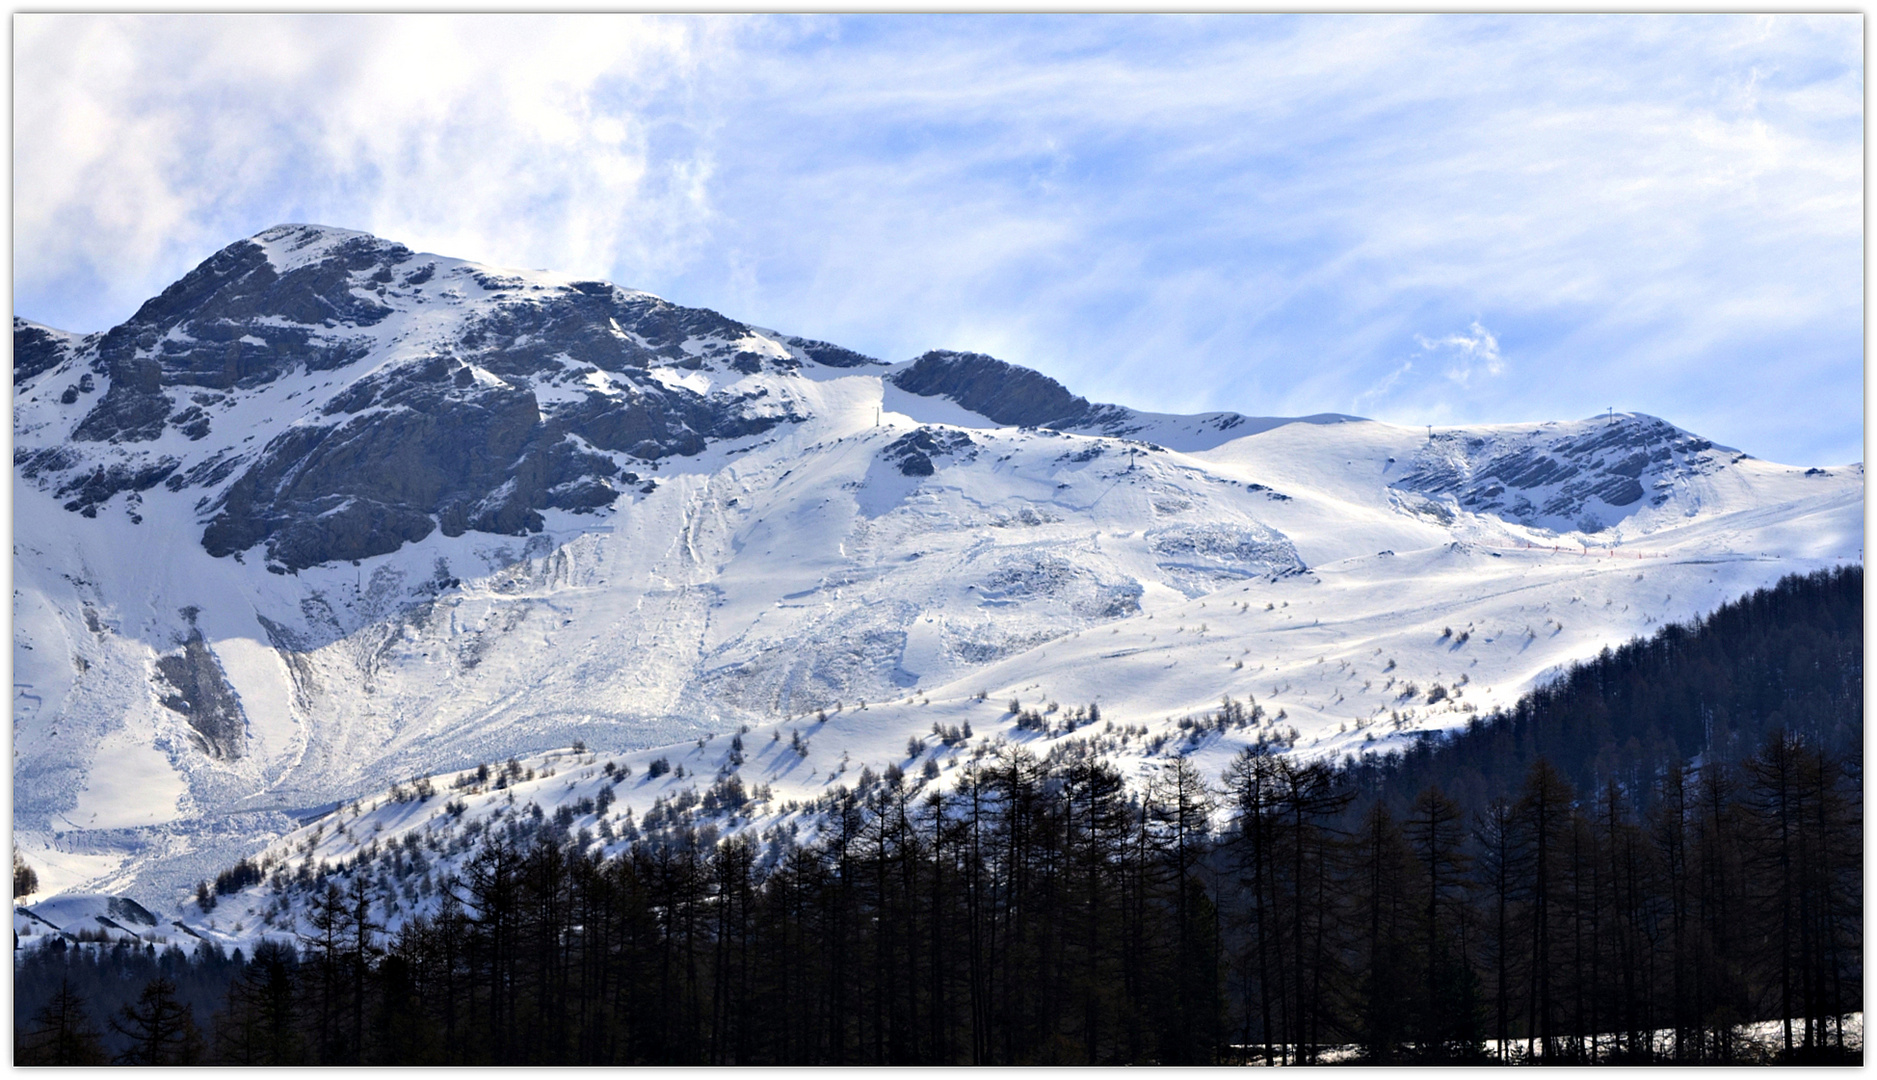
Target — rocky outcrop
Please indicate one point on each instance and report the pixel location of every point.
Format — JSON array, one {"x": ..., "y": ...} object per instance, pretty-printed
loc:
[
  {"x": 194, "y": 685},
  {"x": 1581, "y": 476},
  {"x": 1003, "y": 392},
  {"x": 425, "y": 448},
  {"x": 84, "y": 491},
  {"x": 509, "y": 416},
  {"x": 430, "y": 445},
  {"x": 235, "y": 321},
  {"x": 822, "y": 352},
  {"x": 37, "y": 349},
  {"x": 913, "y": 452}
]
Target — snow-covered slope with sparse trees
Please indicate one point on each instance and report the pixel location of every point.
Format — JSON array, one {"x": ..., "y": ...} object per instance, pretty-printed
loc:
[{"x": 329, "y": 514}]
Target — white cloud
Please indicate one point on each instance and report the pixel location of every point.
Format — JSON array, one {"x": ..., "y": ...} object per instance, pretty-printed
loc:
[
  {"x": 143, "y": 142},
  {"x": 1476, "y": 350},
  {"x": 1250, "y": 212},
  {"x": 1382, "y": 387}
]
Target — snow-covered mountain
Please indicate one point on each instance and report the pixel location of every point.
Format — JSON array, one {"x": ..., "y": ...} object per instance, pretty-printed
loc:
[{"x": 329, "y": 514}]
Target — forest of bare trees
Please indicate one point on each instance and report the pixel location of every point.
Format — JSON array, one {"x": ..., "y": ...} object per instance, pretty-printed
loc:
[{"x": 1516, "y": 893}]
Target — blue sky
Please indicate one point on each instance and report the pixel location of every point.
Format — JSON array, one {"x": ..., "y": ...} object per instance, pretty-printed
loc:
[{"x": 1440, "y": 219}]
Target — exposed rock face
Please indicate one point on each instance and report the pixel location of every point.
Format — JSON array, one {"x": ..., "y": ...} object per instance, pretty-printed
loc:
[
  {"x": 1008, "y": 394},
  {"x": 198, "y": 689},
  {"x": 435, "y": 450},
  {"x": 37, "y": 348},
  {"x": 822, "y": 352},
  {"x": 914, "y": 451},
  {"x": 334, "y": 396},
  {"x": 1005, "y": 393},
  {"x": 89, "y": 489},
  {"x": 1563, "y": 482},
  {"x": 532, "y": 396},
  {"x": 127, "y": 910},
  {"x": 235, "y": 321},
  {"x": 430, "y": 445},
  {"x": 83, "y": 488}
]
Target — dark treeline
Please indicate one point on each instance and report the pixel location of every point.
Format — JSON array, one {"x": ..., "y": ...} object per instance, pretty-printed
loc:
[
  {"x": 1790, "y": 656},
  {"x": 1045, "y": 910}
]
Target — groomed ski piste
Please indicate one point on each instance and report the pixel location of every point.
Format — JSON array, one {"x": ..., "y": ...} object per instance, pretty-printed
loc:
[{"x": 876, "y": 570}]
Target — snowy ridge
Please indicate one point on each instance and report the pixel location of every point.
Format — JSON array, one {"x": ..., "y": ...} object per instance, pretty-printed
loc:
[
  {"x": 669, "y": 524},
  {"x": 290, "y": 247}
]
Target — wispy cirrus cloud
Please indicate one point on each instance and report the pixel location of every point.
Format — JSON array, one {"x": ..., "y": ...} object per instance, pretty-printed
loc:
[
  {"x": 1250, "y": 212},
  {"x": 1474, "y": 352}
]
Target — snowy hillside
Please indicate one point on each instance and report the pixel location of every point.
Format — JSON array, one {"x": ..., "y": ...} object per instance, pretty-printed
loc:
[{"x": 329, "y": 514}]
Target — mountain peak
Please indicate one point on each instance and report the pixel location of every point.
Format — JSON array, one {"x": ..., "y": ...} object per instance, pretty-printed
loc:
[
  {"x": 399, "y": 394},
  {"x": 289, "y": 247},
  {"x": 416, "y": 393},
  {"x": 580, "y": 512}
]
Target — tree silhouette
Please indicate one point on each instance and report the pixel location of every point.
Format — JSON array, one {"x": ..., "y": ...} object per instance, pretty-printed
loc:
[
  {"x": 161, "y": 1030},
  {"x": 62, "y": 1033}
]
